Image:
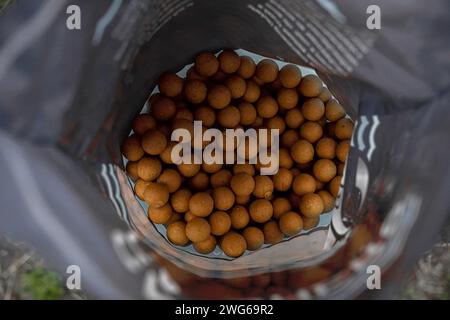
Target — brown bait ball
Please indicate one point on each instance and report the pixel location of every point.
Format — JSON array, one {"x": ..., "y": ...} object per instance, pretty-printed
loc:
[
  {"x": 206, "y": 246},
  {"x": 302, "y": 151},
  {"x": 220, "y": 223},
  {"x": 290, "y": 76},
  {"x": 344, "y": 129},
  {"x": 327, "y": 199},
  {"x": 149, "y": 168},
  {"x": 206, "y": 64},
  {"x": 325, "y": 95},
  {"x": 334, "y": 111},
  {"x": 139, "y": 188},
  {"x": 239, "y": 217},
  {"x": 132, "y": 170},
  {"x": 290, "y": 223},
  {"x": 326, "y": 148},
  {"x": 201, "y": 204},
  {"x": 176, "y": 232},
  {"x": 142, "y": 123},
  {"x": 175, "y": 217},
  {"x": 267, "y": 107},
  {"x": 223, "y": 198},
  {"x": 180, "y": 200},
  {"x": 195, "y": 91},
  {"x": 289, "y": 137},
  {"x": 334, "y": 186},
  {"x": 285, "y": 159},
  {"x": 188, "y": 170},
  {"x": 266, "y": 70},
  {"x": 237, "y": 86},
  {"x": 244, "y": 168},
  {"x": 342, "y": 150},
  {"x": 294, "y": 118},
  {"x": 263, "y": 187},
  {"x": 313, "y": 109},
  {"x": 184, "y": 113},
  {"x": 309, "y": 223},
  {"x": 311, "y": 131},
  {"x": 170, "y": 84},
  {"x": 258, "y": 122},
  {"x": 311, "y": 205},
  {"x": 156, "y": 194},
  {"x": 212, "y": 167},
  {"x": 188, "y": 216},
  {"x": 261, "y": 210},
  {"x": 242, "y": 200},
  {"x": 310, "y": 86},
  {"x": 247, "y": 113},
  {"x": 247, "y": 67},
  {"x": 160, "y": 215},
  {"x": 171, "y": 178},
  {"x": 219, "y": 76},
  {"x": 324, "y": 170},
  {"x": 132, "y": 148},
  {"x": 272, "y": 233},
  {"x": 206, "y": 115},
  {"x": 219, "y": 96},
  {"x": 198, "y": 230},
  {"x": 229, "y": 117},
  {"x": 154, "y": 142},
  {"x": 233, "y": 244},
  {"x": 252, "y": 92},
  {"x": 280, "y": 206},
  {"x": 229, "y": 61},
  {"x": 254, "y": 238},
  {"x": 221, "y": 178},
  {"x": 282, "y": 180},
  {"x": 276, "y": 122},
  {"x": 199, "y": 182},
  {"x": 242, "y": 184},
  {"x": 287, "y": 98},
  {"x": 163, "y": 109},
  {"x": 191, "y": 74},
  {"x": 304, "y": 183}
]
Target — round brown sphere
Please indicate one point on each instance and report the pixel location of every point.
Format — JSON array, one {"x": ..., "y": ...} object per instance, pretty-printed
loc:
[
  {"x": 166, "y": 155},
  {"x": 246, "y": 68},
  {"x": 276, "y": 122},
  {"x": 266, "y": 70},
  {"x": 219, "y": 96},
  {"x": 280, "y": 206},
  {"x": 156, "y": 194},
  {"x": 191, "y": 74},
  {"x": 199, "y": 182},
  {"x": 176, "y": 232},
  {"x": 342, "y": 150},
  {"x": 289, "y": 137},
  {"x": 197, "y": 230},
  {"x": 160, "y": 215},
  {"x": 287, "y": 98},
  {"x": 263, "y": 187},
  {"x": 139, "y": 188},
  {"x": 171, "y": 178},
  {"x": 313, "y": 109},
  {"x": 229, "y": 61},
  {"x": 290, "y": 76},
  {"x": 282, "y": 180},
  {"x": 149, "y": 168},
  {"x": 340, "y": 168},
  {"x": 223, "y": 198},
  {"x": 334, "y": 111},
  {"x": 184, "y": 113},
  {"x": 261, "y": 210},
  {"x": 344, "y": 129},
  {"x": 311, "y": 131},
  {"x": 201, "y": 204},
  {"x": 325, "y": 95},
  {"x": 195, "y": 91},
  {"x": 258, "y": 122},
  {"x": 206, "y": 115},
  {"x": 229, "y": 117},
  {"x": 310, "y": 86},
  {"x": 326, "y": 148},
  {"x": 206, "y": 246},
  {"x": 242, "y": 199},
  {"x": 294, "y": 118},
  {"x": 154, "y": 142},
  {"x": 311, "y": 205},
  {"x": 206, "y": 64},
  {"x": 252, "y": 92},
  {"x": 142, "y": 123},
  {"x": 254, "y": 238},
  {"x": 304, "y": 183},
  {"x": 285, "y": 159},
  {"x": 244, "y": 168},
  {"x": 188, "y": 216},
  {"x": 180, "y": 200},
  {"x": 219, "y": 76},
  {"x": 221, "y": 178},
  {"x": 239, "y": 217},
  {"x": 233, "y": 244},
  {"x": 237, "y": 86},
  {"x": 242, "y": 184},
  {"x": 132, "y": 170},
  {"x": 324, "y": 170},
  {"x": 170, "y": 84},
  {"x": 247, "y": 113},
  {"x": 302, "y": 151},
  {"x": 220, "y": 223},
  {"x": 267, "y": 107},
  {"x": 272, "y": 233},
  {"x": 290, "y": 223},
  {"x": 188, "y": 169},
  {"x": 163, "y": 109},
  {"x": 132, "y": 148},
  {"x": 211, "y": 167},
  {"x": 334, "y": 186},
  {"x": 309, "y": 223},
  {"x": 327, "y": 199},
  {"x": 175, "y": 217}
]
